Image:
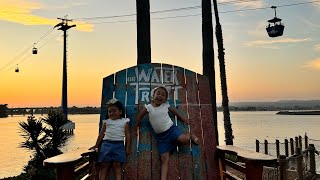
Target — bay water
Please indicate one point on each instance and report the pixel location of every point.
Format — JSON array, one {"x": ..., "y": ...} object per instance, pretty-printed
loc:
[{"x": 247, "y": 127}]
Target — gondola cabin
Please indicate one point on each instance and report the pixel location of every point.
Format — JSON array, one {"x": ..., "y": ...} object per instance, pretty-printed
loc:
[
  {"x": 34, "y": 50},
  {"x": 16, "y": 70},
  {"x": 275, "y": 27}
]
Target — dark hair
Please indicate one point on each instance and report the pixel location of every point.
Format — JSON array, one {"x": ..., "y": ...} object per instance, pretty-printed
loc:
[
  {"x": 155, "y": 90},
  {"x": 118, "y": 105}
]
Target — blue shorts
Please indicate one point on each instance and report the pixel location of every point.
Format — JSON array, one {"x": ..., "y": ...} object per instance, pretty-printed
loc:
[
  {"x": 112, "y": 151},
  {"x": 166, "y": 140}
]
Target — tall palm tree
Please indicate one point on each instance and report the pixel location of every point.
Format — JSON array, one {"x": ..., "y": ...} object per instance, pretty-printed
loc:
[
  {"x": 225, "y": 100},
  {"x": 208, "y": 56},
  {"x": 143, "y": 31}
]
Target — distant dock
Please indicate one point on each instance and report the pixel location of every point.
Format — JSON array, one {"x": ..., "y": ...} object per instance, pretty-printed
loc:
[{"x": 299, "y": 112}]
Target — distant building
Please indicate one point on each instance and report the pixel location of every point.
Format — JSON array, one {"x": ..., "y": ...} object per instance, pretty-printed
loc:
[{"x": 3, "y": 110}]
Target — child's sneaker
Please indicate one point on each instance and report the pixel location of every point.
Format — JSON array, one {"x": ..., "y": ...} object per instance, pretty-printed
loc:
[{"x": 195, "y": 139}]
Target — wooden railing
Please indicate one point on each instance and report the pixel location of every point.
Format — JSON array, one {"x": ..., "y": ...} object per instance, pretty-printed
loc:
[
  {"x": 68, "y": 168},
  {"x": 253, "y": 163},
  {"x": 67, "y": 165}
]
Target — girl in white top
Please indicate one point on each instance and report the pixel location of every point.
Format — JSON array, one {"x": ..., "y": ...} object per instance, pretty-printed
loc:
[
  {"x": 166, "y": 132},
  {"x": 115, "y": 129}
]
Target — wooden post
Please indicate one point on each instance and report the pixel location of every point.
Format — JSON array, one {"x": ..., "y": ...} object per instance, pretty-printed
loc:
[
  {"x": 286, "y": 146},
  {"x": 257, "y": 145},
  {"x": 300, "y": 141},
  {"x": 296, "y": 140},
  {"x": 254, "y": 171},
  {"x": 283, "y": 167},
  {"x": 278, "y": 147},
  {"x": 306, "y": 144},
  {"x": 65, "y": 173},
  {"x": 306, "y": 141},
  {"x": 299, "y": 162},
  {"x": 265, "y": 146},
  {"x": 291, "y": 146},
  {"x": 312, "y": 159}
]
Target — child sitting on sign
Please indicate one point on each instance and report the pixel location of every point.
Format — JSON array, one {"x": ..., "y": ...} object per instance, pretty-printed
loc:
[
  {"x": 112, "y": 150},
  {"x": 167, "y": 134}
]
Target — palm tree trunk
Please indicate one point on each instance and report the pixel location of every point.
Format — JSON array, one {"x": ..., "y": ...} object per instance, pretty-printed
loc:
[
  {"x": 208, "y": 57},
  {"x": 143, "y": 32},
  {"x": 225, "y": 100}
]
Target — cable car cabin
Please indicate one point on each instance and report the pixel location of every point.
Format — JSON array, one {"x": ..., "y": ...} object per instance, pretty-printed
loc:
[
  {"x": 16, "y": 70},
  {"x": 34, "y": 50},
  {"x": 275, "y": 27}
]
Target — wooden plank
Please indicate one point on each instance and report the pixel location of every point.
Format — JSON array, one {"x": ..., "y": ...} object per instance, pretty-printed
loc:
[
  {"x": 131, "y": 168},
  {"x": 155, "y": 156},
  {"x": 144, "y": 148},
  {"x": 107, "y": 94},
  {"x": 185, "y": 157},
  {"x": 210, "y": 143},
  {"x": 166, "y": 76},
  {"x": 199, "y": 168},
  {"x": 120, "y": 86}
]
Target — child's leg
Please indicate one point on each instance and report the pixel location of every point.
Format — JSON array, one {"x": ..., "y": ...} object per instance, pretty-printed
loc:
[
  {"x": 184, "y": 138},
  {"x": 117, "y": 168},
  {"x": 104, "y": 170},
  {"x": 164, "y": 165}
]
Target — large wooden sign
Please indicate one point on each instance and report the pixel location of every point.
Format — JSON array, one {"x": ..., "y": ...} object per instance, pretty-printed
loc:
[{"x": 189, "y": 92}]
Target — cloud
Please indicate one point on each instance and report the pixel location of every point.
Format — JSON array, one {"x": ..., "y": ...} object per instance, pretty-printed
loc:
[
  {"x": 246, "y": 3},
  {"x": 276, "y": 41},
  {"x": 314, "y": 64},
  {"x": 20, "y": 11},
  {"x": 317, "y": 47}
]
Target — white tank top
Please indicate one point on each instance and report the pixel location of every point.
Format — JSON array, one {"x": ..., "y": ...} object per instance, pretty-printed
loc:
[{"x": 159, "y": 117}]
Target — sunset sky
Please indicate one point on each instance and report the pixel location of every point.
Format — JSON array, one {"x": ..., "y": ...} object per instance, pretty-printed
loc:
[{"x": 259, "y": 68}]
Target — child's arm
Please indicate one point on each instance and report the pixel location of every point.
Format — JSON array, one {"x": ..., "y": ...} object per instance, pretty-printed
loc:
[
  {"x": 182, "y": 118},
  {"x": 100, "y": 137},
  {"x": 128, "y": 138},
  {"x": 141, "y": 114}
]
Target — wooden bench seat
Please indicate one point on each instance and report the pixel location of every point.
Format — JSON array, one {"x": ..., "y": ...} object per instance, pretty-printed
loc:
[{"x": 254, "y": 161}]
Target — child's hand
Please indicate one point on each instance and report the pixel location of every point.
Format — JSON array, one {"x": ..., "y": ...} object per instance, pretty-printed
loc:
[
  {"x": 93, "y": 147},
  {"x": 185, "y": 121}
]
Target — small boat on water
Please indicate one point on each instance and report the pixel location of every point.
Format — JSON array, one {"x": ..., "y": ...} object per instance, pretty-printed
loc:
[{"x": 311, "y": 112}]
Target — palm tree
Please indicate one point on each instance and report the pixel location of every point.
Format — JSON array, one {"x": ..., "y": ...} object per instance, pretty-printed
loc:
[
  {"x": 33, "y": 133},
  {"x": 225, "y": 100},
  {"x": 143, "y": 32},
  {"x": 208, "y": 56},
  {"x": 56, "y": 136}
]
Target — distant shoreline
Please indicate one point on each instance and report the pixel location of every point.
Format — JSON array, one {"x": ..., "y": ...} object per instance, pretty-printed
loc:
[{"x": 298, "y": 113}]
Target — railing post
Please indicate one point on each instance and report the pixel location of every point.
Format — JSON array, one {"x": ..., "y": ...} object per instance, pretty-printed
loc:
[
  {"x": 283, "y": 167},
  {"x": 278, "y": 147},
  {"x": 300, "y": 141},
  {"x": 299, "y": 163},
  {"x": 265, "y": 146},
  {"x": 296, "y": 140},
  {"x": 257, "y": 145},
  {"x": 311, "y": 150},
  {"x": 291, "y": 146},
  {"x": 306, "y": 143},
  {"x": 286, "y": 146}
]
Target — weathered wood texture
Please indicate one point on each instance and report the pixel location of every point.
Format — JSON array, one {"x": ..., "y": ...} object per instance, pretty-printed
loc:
[{"x": 190, "y": 94}]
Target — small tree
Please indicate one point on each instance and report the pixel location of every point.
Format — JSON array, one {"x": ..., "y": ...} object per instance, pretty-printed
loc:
[{"x": 44, "y": 137}]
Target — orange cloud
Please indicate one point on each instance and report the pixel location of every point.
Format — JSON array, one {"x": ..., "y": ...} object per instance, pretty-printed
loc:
[
  {"x": 20, "y": 11},
  {"x": 315, "y": 64}
]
